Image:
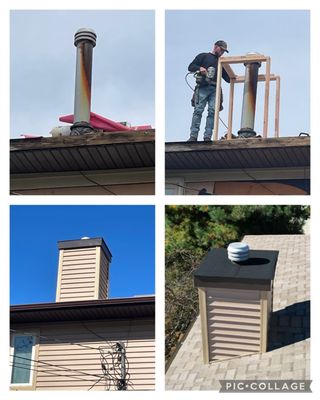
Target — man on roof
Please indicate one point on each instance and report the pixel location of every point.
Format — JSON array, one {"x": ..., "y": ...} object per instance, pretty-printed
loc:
[{"x": 206, "y": 65}]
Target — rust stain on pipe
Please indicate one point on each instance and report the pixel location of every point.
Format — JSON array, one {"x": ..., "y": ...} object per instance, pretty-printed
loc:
[
  {"x": 252, "y": 87},
  {"x": 249, "y": 99},
  {"x": 85, "y": 73}
]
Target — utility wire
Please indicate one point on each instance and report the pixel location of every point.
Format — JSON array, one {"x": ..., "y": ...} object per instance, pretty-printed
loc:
[
  {"x": 117, "y": 379},
  {"x": 259, "y": 183},
  {"x": 55, "y": 366},
  {"x": 23, "y": 366},
  {"x": 56, "y": 340},
  {"x": 94, "y": 333},
  {"x": 99, "y": 380},
  {"x": 97, "y": 183},
  {"x": 97, "y": 335},
  {"x": 115, "y": 360}
]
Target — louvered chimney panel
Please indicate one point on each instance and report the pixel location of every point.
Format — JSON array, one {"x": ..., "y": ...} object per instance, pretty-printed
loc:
[{"x": 234, "y": 321}]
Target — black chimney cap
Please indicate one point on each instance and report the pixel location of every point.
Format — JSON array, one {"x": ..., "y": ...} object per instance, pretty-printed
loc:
[
  {"x": 85, "y": 242},
  {"x": 257, "y": 273}
]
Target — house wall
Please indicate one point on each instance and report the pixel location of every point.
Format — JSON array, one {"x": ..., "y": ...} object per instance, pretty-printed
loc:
[{"x": 58, "y": 347}]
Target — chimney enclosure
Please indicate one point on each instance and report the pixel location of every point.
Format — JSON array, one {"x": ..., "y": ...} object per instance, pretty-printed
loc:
[
  {"x": 235, "y": 301},
  {"x": 85, "y": 41},
  {"x": 83, "y": 272}
]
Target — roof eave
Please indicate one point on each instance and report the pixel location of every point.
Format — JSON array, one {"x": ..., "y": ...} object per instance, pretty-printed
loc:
[{"x": 120, "y": 308}]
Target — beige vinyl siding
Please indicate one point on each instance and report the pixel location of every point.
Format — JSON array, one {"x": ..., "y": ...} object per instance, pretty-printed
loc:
[
  {"x": 234, "y": 323},
  {"x": 56, "y": 348},
  {"x": 77, "y": 274}
]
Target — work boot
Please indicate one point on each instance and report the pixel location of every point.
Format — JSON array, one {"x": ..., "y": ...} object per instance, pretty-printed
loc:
[
  {"x": 192, "y": 139},
  {"x": 207, "y": 139}
]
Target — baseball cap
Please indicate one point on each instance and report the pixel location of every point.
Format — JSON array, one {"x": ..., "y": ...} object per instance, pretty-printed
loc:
[{"x": 222, "y": 44}]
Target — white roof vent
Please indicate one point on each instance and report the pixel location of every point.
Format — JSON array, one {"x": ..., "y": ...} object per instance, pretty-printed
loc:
[{"x": 238, "y": 251}]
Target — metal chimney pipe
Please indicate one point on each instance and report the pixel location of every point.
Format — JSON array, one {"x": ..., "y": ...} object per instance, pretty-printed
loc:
[
  {"x": 85, "y": 41},
  {"x": 249, "y": 99}
]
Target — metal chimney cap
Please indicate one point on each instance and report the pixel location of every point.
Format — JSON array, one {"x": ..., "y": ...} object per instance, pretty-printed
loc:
[
  {"x": 235, "y": 246},
  {"x": 253, "y": 53},
  {"x": 85, "y": 34}
]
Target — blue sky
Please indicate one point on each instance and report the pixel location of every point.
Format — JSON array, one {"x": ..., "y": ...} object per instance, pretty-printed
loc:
[
  {"x": 43, "y": 60},
  {"x": 129, "y": 232},
  {"x": 283, "y": 35}
]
